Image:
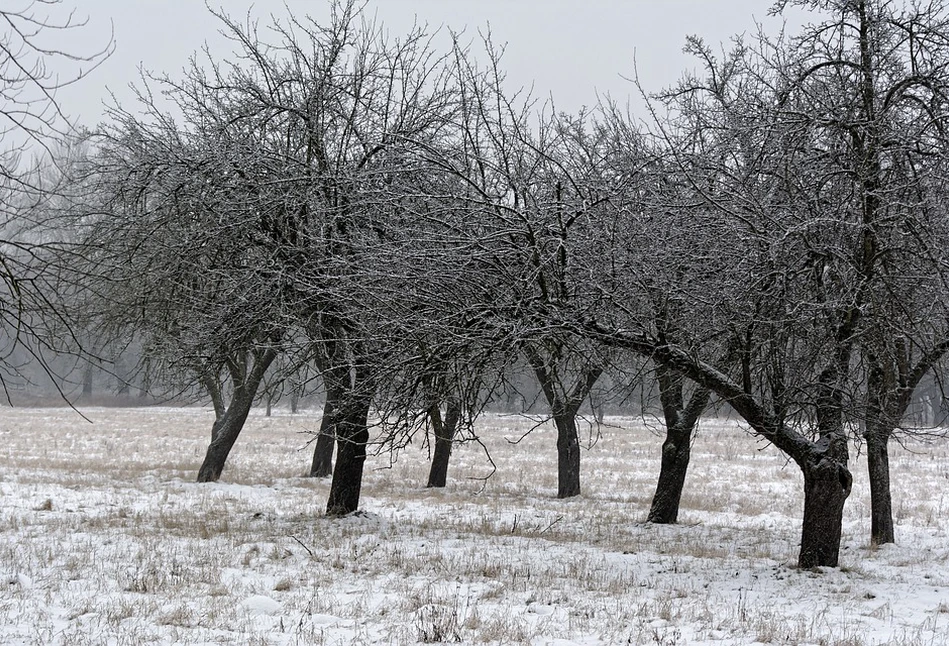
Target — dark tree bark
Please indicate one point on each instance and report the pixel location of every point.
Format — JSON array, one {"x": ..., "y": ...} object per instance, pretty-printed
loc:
[
  {"x": 564, "y": 407},
  {"x": 352, "y": 436},
  {"x": 568, "y": 453},
  {"x": 827, "y": 480},
  {"x": 227, "y": 428},
  {"x": 891, "y": 381},
  {"x": 348, "y": 379},
  {"x": 322, "y": 465},
  {"x": 882, "y": 400},
  {"x": 827, "y": 484},
  {"x": 444, "y": 436},
  {"x": 881, "y": 504},
  {"x": 681, "y": 419}
]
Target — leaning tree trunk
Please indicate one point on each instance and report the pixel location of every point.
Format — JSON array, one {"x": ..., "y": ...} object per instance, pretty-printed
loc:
[
  {"x": 226, "y": 429},
  {"x": 444, "y": 436},
  {"x": 322, "y": 465},
  {"x": 680, "y": 420},
  {"x": 352, "y": 436},
  {"x": 676, "y": 452}
]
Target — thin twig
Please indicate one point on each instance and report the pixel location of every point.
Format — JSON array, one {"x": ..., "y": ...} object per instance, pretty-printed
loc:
[{"x": 303, "y": 545}]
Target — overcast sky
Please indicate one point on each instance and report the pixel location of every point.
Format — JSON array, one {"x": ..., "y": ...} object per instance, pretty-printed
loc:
[{"x": 570, "y": 49}]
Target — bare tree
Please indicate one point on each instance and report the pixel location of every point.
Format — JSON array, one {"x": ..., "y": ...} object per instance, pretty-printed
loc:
[
  {"x": 807, "y": 189},
  {"x": 279, "y": 191}
]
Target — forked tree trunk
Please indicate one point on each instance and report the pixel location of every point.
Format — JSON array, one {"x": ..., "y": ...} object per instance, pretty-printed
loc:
[
  {"x": 444, "y": 436},
  {"x": 352, "y": 436},
  {"x": 564, "y": 407},
  {"x": 322, "y": 465},
  {"x": 681, "y": 419},
  {"x": 347, "y": 378},
  {"x": 892, "y": 379},
  {"x": 227, "y": 428},
  {"x": 225, "y": 432}
]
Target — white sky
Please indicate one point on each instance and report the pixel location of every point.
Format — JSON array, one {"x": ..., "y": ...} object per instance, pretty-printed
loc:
[{"x": 571, "y": 49}]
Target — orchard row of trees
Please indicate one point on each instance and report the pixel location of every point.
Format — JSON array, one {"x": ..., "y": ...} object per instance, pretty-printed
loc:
[{"x": 388, "y": 214}]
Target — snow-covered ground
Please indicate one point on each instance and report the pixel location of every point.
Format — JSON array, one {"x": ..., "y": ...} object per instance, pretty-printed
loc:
[{"x": 105, "y": 539}]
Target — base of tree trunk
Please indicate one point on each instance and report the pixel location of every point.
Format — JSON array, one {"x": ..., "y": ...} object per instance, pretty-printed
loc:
[
  {"x": 676, "y": 452},
  {"x": 227, "y": 427},
  {"x": 322, "y": 466},
  {"x": 352, "y": 436},
  {"x": 438, "y": 474},
  {"x": 881, "y": 505},
  {"x": 225, "y": 432},
  {"x": 827, "y": 484},
  {"x": 568, "y": 457}
]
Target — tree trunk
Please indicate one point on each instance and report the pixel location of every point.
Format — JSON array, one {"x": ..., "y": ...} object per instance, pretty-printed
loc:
[
  {"x": 884, "y": 394},
  {"x": 681, "y": 418},
  {"x": 352, "y": 436},
  {"x": 676, "y": 451},
  {"x": 564, "y": 406},
  {"x": 227, "y": 428},
  {"x": 878, "y": 466},
  {"x": 827, "y": 480},
  {"x": 87, "y": 381},
  {"x": 146, "y": 383},
  {"x": 444, "y": 436},
  {"x": 322, "y": 466},
  {"x": 568, "y": 455},
  {"x": 225, "y": 432},
  {"x": 294, "y": 398},
  {"x": 827, "y": 483}
]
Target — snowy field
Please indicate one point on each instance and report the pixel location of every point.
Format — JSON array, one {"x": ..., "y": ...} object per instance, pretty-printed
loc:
[{"x": 105, "y": 539}]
